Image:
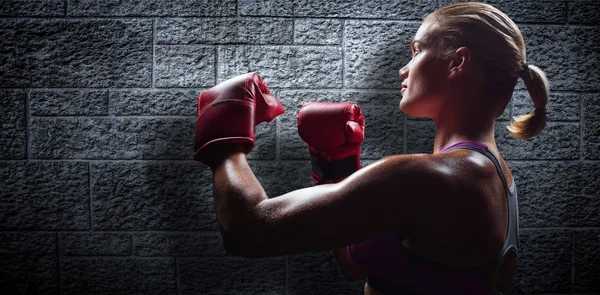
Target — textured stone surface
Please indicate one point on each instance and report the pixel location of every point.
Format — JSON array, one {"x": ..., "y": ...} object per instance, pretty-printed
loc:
[
  {"x": 266, "y": 7},
  {"x": 13, "y": 134},
  {"x": 583, "y": 12},
  {"x": 284, "y": 66},
  {"x": 550, "y": 193},
  {"x": 95, "y": 244},
  {"x": 151, "y": 8},
  {"x": 561, "y": 106},
  {"x": 552, "y": 47},
  {"x": 232, "y": 276},
  {"x": 403, "y": 9},
  {"x": 110, "y": 275},
  {"x": 375, "y": 51},
  {"x": 151, "y": 196},
  {"x": 178, "y": 244},
  {"x": 32, "y": 8},
  {"x": 384, "y": 132},
  {"x": 591, "y": 127},
  {"x": 29, "y": 263},
  {"x": 319, "y": 273},
  {"x": 530, "y": 11},
  {"x": 586, "y": 261},
  {"x": 75, "y": 53},
  {"x": 184, "y": 66},
  {"x": 591, "y": 178},
  {"x": 154, "y": 102},
  {"x": 537, "y": 179},
  {"x": 545, "y": 262},
  {"x": 224, "y": 31},
  {"x": 112, "y": 138},
  {"x": 420, "y": 136},
  {"x": 556, "y": 141},
  {"x": 68, "y": 103},
  {"x": 44, "y": 196},
  {"x": 318, "y": 31}
]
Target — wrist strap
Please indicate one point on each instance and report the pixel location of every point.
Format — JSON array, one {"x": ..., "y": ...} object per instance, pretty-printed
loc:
[{"x": 336, "y": 169}]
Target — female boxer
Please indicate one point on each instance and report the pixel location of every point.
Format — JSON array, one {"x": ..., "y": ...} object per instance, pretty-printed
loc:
[{"x": 441, "y": 223}]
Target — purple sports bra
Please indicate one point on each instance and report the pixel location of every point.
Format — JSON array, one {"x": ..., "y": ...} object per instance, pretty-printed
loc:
[{"x": 393, "y": 269}]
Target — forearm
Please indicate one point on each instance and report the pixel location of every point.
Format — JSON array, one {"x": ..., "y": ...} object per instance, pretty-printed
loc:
[{"x": 236, "y": 192}]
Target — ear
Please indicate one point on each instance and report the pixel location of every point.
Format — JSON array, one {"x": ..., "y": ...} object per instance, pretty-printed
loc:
[{"x": 459, "y": 62}]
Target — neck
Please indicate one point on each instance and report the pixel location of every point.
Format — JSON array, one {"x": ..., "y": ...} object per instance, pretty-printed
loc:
[{"x": 463, "y": 124}]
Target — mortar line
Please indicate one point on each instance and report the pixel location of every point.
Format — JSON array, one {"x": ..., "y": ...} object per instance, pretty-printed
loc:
[
  {"x": 177, "y": 276},
  {"x": 90, "y": 194},
  {"x": 343, "y": 53},
  {"x": 573, "y": 266},
  {"x": 581, "y": 121},
  {"x": 27, "y": 125},
  {"x": 58, "y": 262},
  {"x": 152, "y": 74},
  {"x": 216, "y": 65},
  {"x": 66, "y": 10}
]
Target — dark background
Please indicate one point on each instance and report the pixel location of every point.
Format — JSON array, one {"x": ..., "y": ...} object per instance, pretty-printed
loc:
[{"x": 98, "y": 190}]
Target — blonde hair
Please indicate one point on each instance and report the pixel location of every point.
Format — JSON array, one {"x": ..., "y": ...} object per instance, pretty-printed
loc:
[{"x": 502, "y": 54}]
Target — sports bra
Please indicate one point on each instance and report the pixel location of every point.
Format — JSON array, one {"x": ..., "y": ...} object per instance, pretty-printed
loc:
[{"x": 394, "y": 269}]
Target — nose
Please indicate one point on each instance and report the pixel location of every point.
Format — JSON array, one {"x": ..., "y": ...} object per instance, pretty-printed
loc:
[{"x": 404, "y": 72}]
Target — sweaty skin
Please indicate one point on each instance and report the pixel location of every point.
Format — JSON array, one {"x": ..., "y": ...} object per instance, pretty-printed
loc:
[{"x": 447, "y": 207}]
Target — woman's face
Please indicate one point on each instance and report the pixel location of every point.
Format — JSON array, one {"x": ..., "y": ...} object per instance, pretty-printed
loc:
[{"x": 425, "y": 76}]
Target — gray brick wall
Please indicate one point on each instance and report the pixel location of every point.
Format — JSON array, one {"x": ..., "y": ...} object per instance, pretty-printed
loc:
[{"x": 98, "y": 192}]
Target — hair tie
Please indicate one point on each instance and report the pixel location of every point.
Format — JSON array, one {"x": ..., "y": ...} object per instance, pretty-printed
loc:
[{"x": 525, "y": 67}]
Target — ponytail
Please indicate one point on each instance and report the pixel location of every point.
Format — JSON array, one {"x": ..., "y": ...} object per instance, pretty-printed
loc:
[{"x": 528, "y": 126}]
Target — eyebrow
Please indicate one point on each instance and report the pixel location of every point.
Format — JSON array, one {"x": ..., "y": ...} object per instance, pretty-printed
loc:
[{"x": 412, "y": 44}]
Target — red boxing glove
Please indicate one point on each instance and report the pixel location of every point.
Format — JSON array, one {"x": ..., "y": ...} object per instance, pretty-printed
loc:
[
  {"x": 229, "y": 112},
  {"x": 334, "y": 132}
]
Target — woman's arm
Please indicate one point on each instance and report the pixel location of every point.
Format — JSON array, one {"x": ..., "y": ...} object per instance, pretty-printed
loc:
[{"x": 386, "y": 196}]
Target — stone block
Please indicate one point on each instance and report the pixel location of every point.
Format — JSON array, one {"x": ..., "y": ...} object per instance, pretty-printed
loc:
[
  {"x": 178, "y": 244},
  {"x": 29, "y": 263},
  {"x": 151, "y": 196},
  {"x": 552, "y": 47},
  {"x": 586, "y": 262},
  {"x": 154, "y": 102},
  {"x": 583, "y": 12},
  {"x": 375, "y": 51},
  {"x": 266, "y": 7},
  {"x": 95, "y": 244},
  {"x": 13, "y": 134},
  {"x": 44, "y": 196},
  {"x": 529, "y": 11},
  {"x": 184, "y": 66},
  {"x": 14, "y": 8},
  {"x": 318, "y": 31},
  {"x": 118, "y": 275},
  {"x": 404, "y": 9},
  {"x": 68, "y": 102},
  {"x": 254, "y": 31},
  {"x": 591, "y": 127},
  {"x": 151, "y": 8},
  {"x": 545, "y": 262},
  {"x": 112, "y": 138},
  {"x": 76, "y": 53},
  {"x": 556, "y": 141},
  {"x": 233, "y": 275},
  {"x": 561, "y": 106},
  {"x": 284, "y": 66}
]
